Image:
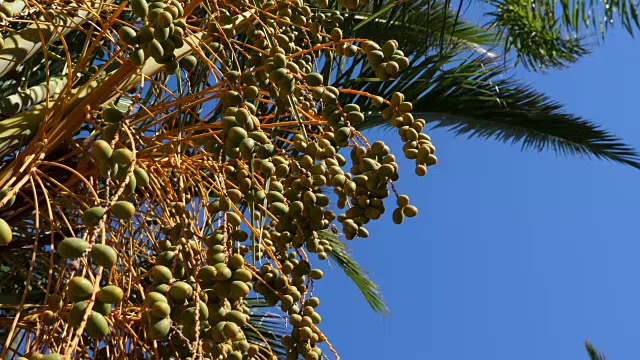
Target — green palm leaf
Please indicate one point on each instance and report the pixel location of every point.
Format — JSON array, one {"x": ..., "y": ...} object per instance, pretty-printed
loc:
[
  {"x": 577, "y": 16},
  {"x": 470, "y": 99},
  {"x": 538, "y": 38},
  {"x": 266, "y": 326},
  {"x": 550, "y": 33},
  {"x": 593, "y": 353},
  {"x": 339, "y": 254},
  {"x": 424, "y": 25}
]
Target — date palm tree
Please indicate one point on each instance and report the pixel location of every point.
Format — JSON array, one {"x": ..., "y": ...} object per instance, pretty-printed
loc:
[{"x": 163, "y": 83}]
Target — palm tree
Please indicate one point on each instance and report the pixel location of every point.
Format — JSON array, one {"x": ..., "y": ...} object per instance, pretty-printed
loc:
[{"x": 64, "y": 69}]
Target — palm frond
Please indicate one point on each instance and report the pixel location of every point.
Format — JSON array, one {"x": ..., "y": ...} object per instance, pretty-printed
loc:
[
  {"x": 472, "y": 99},
  {"x": 27, "y": 42},
  {"x": 424, "y": 25},
  {"x": 550, "y": 33},
  {"x": 19, "y": 101},
  {"x": 593, "y": 353},
  {"x": 266, "y": 326},
  {"x": 470, "y": 96},
  {"x": 339, "y": 254},
  {"x": 538, "y": 38},
  {"x": 406, "y": 23}
]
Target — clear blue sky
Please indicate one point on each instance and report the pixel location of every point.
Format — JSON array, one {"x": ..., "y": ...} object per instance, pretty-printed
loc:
[{"x": 514, "y": 255}]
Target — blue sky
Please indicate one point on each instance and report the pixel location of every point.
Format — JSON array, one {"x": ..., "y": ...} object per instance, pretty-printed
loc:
[{"x": 514, "y": 255}]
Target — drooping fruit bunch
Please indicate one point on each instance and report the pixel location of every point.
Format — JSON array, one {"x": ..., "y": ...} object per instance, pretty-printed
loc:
[{"x": 211, "y": 161}]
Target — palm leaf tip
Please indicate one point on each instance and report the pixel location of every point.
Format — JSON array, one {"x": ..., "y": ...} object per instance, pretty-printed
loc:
[
  {"x": 593, "y": 353},
  {"x": 339, "y": 254},
  {"x": 562, "y": 137}
]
